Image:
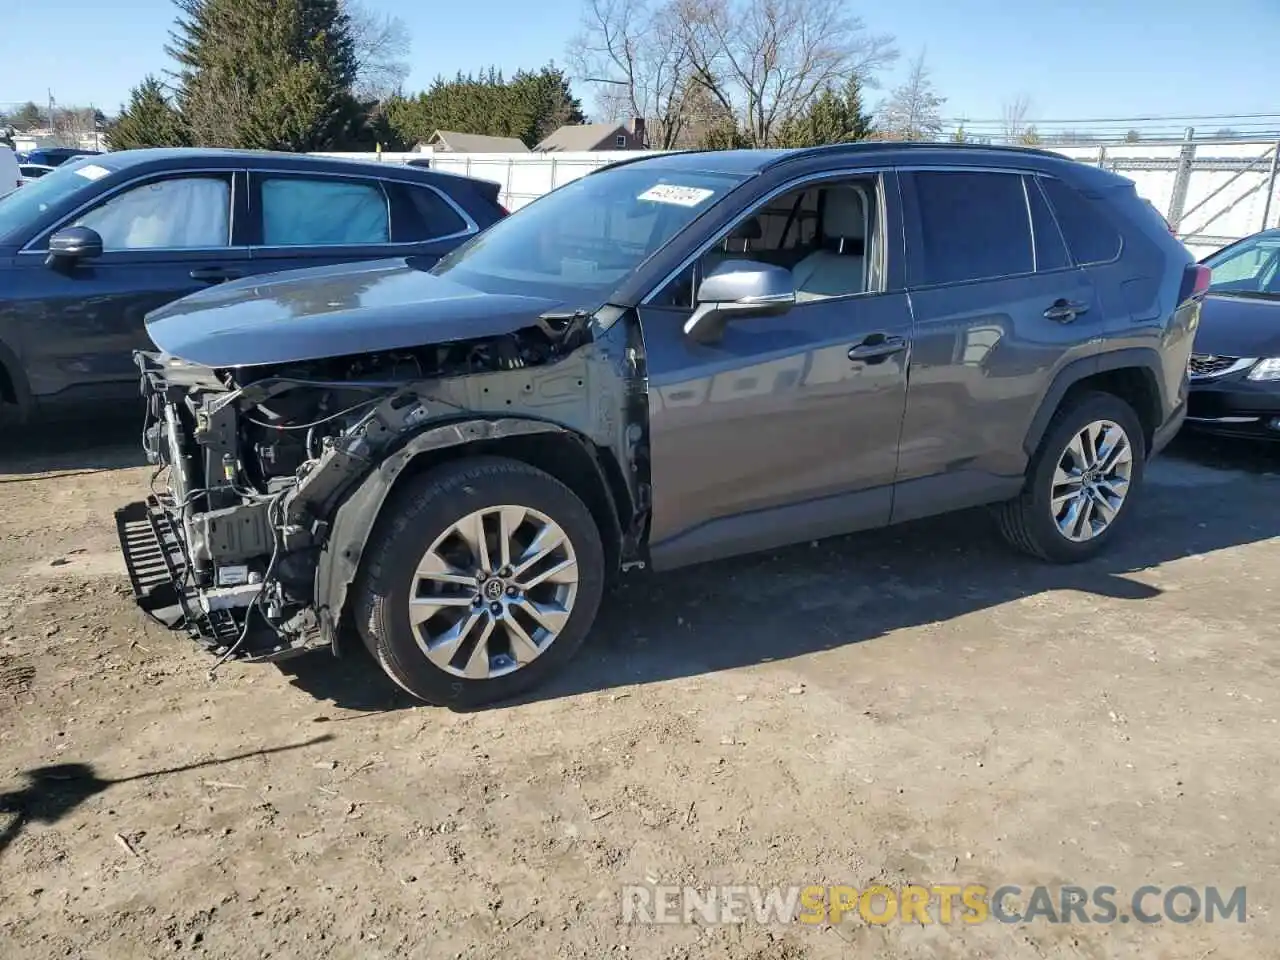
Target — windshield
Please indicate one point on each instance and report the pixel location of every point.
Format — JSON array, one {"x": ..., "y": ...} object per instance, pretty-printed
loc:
[
  {"x": 22, "y": 206},
  {"x": 1248, "y": 268},
  {"x": 578, "y": 242}
]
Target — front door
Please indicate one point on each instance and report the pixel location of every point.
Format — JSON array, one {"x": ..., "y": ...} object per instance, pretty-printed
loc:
[
  {"x": 76, "y": 326},
  {"x": 787, "y": 428}
]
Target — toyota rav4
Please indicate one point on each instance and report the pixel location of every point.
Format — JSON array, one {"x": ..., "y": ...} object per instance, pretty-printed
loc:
[{"x": 671, "y": 360}]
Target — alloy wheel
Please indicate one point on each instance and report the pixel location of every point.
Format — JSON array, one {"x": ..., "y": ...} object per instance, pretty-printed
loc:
[
  {"x": 1091, "y": 480},
  {"x": 493, "y": 592}
]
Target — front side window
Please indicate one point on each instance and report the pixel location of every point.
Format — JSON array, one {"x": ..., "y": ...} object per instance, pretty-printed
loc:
[
  {"x": 21, "y": 209},
  {"x": 1250, "y": 267},
  {"x": 181, "y": 213},
  {"x": 826, "y": 234},
  {"x": 320, "y": 211},
  {"x": 972, "y": 226},
  {"x": 580, "y": 241}
]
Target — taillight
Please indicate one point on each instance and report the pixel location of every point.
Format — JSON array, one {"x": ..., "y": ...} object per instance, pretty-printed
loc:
[{"x": 1195, "y": 282}]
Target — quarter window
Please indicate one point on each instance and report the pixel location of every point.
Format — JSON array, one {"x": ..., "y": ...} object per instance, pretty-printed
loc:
[
  {"x": 181, "y": 213},
  {"x": 1089, "y": 234},
  {"x": 972, "y": 226},
  {"x": 419, "y": 214},
  {"x": 303, "y": 212}
]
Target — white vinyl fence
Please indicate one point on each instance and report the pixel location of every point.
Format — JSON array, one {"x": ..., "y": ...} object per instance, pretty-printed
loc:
[
  {"x": 522, "y": 176},
  {"x": 1212, "y": 193}
]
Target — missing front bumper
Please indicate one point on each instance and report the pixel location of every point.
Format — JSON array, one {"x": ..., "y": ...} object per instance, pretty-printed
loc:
[
  {"x": 158, "y": 574},
  {"x": 164, "y": 590}
]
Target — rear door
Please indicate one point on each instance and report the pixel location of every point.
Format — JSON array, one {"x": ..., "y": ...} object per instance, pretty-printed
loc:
[
  {"x": 998, "y": 309},
  {"x": 315, "y": 219},
  {"x": 164, "y": 236}
]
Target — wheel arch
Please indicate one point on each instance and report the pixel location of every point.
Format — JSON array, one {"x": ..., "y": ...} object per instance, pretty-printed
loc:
[
  {"x": 1132, "y": 374},
  {"x": 591, "y": 472},
  {"x": 14, "y": 388}
]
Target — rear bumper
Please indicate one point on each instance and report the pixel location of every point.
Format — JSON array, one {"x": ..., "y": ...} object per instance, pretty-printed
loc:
[{"x": 1168, "y": 430}]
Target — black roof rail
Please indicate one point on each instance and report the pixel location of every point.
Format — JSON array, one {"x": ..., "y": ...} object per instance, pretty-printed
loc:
[
  {"x": 614, "y": 164},
  {"x": 885, "y": 146}
]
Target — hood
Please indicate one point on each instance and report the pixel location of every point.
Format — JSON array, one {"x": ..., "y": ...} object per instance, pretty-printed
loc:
[
  {"x": 331, "y": 312},
  {"x": 1239, "y": 327}
]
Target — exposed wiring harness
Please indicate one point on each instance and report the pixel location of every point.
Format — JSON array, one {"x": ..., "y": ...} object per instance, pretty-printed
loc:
[{"x": 277, "y": 501}]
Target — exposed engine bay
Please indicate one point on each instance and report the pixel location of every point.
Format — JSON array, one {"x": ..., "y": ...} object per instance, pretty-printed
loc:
[{"x": 253, "y": 464}]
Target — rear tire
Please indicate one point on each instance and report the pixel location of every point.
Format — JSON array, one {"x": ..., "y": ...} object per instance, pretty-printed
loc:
[
  {"x": 460, "y": 625},
  {"x": 1081, "y": 483}
]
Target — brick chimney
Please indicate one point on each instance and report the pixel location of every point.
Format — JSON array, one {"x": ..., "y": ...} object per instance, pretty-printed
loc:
[{"x": 637, "y": 132}]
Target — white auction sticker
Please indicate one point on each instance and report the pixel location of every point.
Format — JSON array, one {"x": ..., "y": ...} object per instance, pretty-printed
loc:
[
  {"x": 92, "y": 171},
  {"x": 674, "y": 193}
]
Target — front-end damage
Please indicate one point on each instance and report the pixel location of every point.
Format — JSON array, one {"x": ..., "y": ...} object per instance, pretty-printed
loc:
[{"x": 270, "y": 478}]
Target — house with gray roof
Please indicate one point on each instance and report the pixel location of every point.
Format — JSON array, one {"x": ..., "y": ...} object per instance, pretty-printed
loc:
[
  {"x": 590, "y": 137},
  {"x": 453, "y": 142}
]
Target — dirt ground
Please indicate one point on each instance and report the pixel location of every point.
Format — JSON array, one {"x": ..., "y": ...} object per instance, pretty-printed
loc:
[{"x": 914, "y": 705}]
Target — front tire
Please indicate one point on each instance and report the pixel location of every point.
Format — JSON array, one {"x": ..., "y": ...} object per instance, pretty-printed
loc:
[
  {"x": 482, "y": 580},
  {"x": 1082, "y": 481}
]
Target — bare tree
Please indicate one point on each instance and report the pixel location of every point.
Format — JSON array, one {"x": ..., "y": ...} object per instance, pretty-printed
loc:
[
  {"x": 1013, "y": 117},
  {"x": 382, "y": 45},
  {"x": 632, "y": 53},
  {"x": 766, "y": 61},
  {"x": 757, "y": 64},
  {"x": 913, "y": 110}
]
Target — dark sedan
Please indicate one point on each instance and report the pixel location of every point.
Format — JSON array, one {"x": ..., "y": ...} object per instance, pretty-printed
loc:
[
  {"x": 92, "y": 247},
  {"x": 1235, "y": 370}
]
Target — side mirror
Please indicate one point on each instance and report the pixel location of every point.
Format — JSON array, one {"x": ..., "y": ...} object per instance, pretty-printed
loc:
[
  {"x": 71, "y": 244},
  {"x": 739, "y": 288}
]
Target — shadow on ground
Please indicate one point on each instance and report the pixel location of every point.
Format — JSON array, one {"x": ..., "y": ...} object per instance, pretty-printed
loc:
[
  {"x": 1202, "y": 496},
  {"x": 53, "y": 792},
  {"x": 108, "y": 442}
]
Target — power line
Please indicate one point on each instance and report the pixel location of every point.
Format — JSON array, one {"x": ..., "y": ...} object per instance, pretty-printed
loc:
[{"x": 1166, "y": 117}]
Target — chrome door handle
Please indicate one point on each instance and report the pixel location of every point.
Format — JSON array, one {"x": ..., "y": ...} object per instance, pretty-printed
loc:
[
  {"x": 1064, "y": 311},
  {"x": 877, "y": 347}
]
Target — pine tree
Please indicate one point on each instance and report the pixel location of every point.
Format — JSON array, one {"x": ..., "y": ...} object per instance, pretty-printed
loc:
[
  {"x": 149, "y": 120},
  {"x": 266, "y": 74},
  {"x": 835, "y": 116}
]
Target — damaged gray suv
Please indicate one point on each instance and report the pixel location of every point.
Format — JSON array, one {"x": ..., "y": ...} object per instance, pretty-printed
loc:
[{"x": 671, "y": 360}]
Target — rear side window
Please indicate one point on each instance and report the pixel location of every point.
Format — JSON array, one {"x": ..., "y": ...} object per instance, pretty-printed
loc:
[
  {"x": 304, "y": 212},
  {"x": 972, "y": 226},
  {"x": 1089, "y": 234},
  {"x": 420, "y": 213}
]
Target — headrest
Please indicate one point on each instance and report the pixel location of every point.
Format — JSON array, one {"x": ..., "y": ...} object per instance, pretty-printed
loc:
[
  {"x": 843, "y": 217},
  {"x": 747, "y": 230}
]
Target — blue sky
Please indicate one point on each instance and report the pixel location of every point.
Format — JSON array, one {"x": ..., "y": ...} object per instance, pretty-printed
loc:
[{"x": 1078, "y": 59}]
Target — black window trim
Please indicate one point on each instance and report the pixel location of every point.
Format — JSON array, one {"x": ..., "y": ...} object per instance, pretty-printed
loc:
[
  {"x": 912, "y": 169},
  {"x": 1071, "y": 255},
  {"x": 877, "y": 173},
  {"x": 29, "y": 248},
  {"x": 470, "y": 226},
  {"x": 1053, "y": 218}
]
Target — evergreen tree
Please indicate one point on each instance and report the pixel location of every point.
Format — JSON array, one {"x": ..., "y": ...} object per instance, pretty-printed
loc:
[
  {"x": 529, "y": 106},
  {"x": 149, "y": 120},
  {"x": 267, "y": 74},
  {"x": 835, "y": 116}
]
